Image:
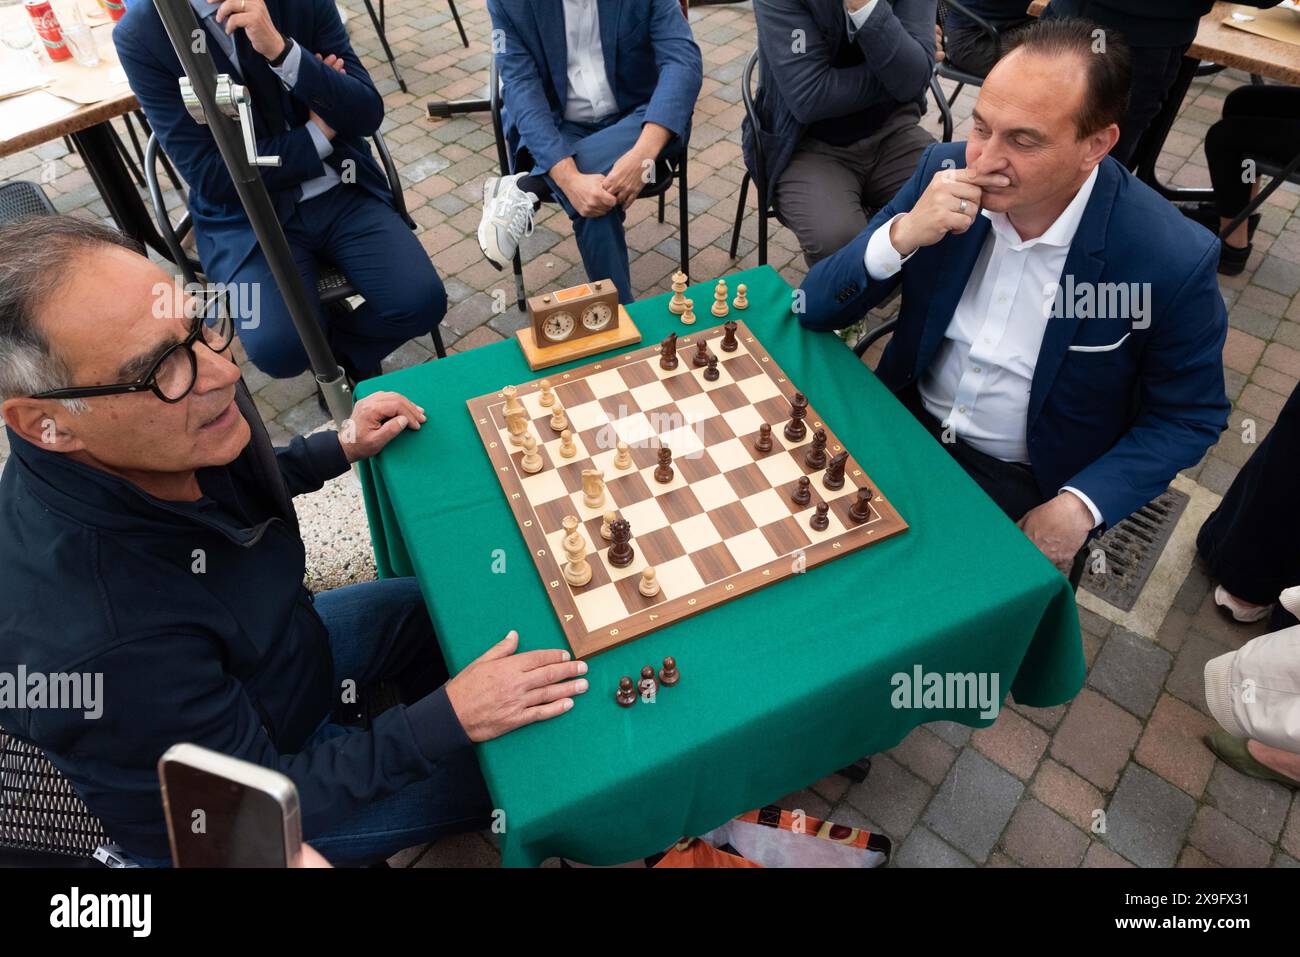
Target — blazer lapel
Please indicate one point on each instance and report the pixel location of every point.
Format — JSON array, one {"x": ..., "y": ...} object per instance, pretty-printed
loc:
[
  {"x": 1085, "y": 267},
  {"x": 960, "y": 255}
]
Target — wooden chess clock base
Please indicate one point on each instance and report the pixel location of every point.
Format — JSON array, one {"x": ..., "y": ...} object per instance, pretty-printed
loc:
[{"x": 543, "y": 357}]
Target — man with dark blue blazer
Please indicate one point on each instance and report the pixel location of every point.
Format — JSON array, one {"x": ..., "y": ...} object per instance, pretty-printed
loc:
[
  {"x": 1061, "y": 328},
  {"x": 595, "y": 93},
  {"x": 313, "y": 106}
]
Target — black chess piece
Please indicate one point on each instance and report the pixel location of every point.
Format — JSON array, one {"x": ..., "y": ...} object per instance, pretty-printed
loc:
[
  {"x": 802, "y": 495},
  {"x": 833, "y": 478},
  {"x": 668, "y": 675},
  {"x": 701, "y": 357},
  {"x": 711, "y": 373},
  {"x": 816, "y": 456},
  {"x": 648, "y": 684},
  {"x": 820, "y": 522},
  {"x": 668, "y": 352},
  {"x": 621, "y": 552},
  {"x": 626, "y": 693},
  {"x": 729, "y": 343},
  {"x": 764, "y": 441},
  {"x": 664, "y": 473},
  {"x": 861, "y": 510},
  {"x": 795, "y": 430}
]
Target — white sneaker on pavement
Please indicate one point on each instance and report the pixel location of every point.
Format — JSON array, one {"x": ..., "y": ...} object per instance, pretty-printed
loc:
[
  {"x": 1241, "y": 611},
  {"x": 507, "y": 218}
]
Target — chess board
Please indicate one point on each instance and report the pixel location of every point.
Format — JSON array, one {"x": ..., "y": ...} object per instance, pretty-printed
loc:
[{"x": 724, "y": 526}]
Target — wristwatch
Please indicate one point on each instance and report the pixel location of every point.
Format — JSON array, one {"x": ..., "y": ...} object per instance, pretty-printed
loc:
[{"x": 288, "y": 45}]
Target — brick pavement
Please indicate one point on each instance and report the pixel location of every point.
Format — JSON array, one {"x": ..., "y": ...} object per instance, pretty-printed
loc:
[{"x": 1035, "y": 787}]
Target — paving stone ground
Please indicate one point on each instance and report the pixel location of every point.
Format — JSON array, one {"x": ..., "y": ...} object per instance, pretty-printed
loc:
[{"x": 1037, "y": 787}]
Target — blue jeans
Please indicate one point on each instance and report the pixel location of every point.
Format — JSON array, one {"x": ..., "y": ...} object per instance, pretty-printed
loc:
[
  {"x": 596, "y": 148},
  {"x": 367, "y": 240},
  {"x": 381, "y": 630}
]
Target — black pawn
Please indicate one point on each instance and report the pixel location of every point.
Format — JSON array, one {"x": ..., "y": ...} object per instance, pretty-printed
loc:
[
  {"x": 729, "y": 342},
  {"x": 819, "y": 522},
  {"x": 861, "y": 510},
  {"x": 701, "y": 357},
  {"x": 711, "y": 373},
  {"x": 626, "y": 693},
  {"x": 664, "y": 473},
  {"x": 668, "y": 674},
  {"x": 833, "y": 478},
  {"x": 621, "y": 552},
  {"x": 764, "y": 441},
  {"x": 816, "y": 457},
  {"x": 795, "y": 430},
  {"x": 648, "y": 683},
  {"x": 802, "y": 495}
]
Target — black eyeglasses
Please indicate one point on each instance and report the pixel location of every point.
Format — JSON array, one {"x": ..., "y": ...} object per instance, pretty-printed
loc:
[{"x": 173, "y": 375}]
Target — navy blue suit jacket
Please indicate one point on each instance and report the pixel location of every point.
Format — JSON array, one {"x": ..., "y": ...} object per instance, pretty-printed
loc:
[
  {"x": 650, "y": 57},
  {"x": 349, "y": 103},
  {"x": 1117, "y": 406}
]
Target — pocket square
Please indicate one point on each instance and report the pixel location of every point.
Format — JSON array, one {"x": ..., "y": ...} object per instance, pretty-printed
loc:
[{"x": 1103, "y": 348}]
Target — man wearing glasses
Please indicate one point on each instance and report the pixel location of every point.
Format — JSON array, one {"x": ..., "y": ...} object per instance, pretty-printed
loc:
[{"x": 149, "y": 539}]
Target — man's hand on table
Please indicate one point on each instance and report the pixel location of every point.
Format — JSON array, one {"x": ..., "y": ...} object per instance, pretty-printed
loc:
[
  {"x": 377, "y": 420},
  {"x": 254, "y": 19},
  {"x": 502, "y": 690},
  {"x": 939, "y": 210},
  {"x": 1059, "y": 527}
]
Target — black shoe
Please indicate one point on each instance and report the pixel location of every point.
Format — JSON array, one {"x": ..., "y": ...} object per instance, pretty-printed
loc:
[{"x": 1232, "y": 259}]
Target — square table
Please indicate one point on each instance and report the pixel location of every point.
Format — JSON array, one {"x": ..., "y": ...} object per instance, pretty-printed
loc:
[{"x": 779, "y": 687}]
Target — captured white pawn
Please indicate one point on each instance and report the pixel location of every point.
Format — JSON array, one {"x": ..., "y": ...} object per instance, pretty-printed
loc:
[
  {"x": 577, "y": 571},
  {"x": 742, "y": 299},
  {"x": 649, "y": 584},
  {"x": 532, "y": 460}
]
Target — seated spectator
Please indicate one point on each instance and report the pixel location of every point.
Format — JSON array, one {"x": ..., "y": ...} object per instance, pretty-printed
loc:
[
  {"x": 595, "y": 93},
  {"x": 150, "y": 538},
  {"x": 1069, "y": 404},
  {"x": 1254, "y": 694},
  {"x": 968, "y": 46},
  {"x": 839, "y": 104},
  {"x": 1259, "y": 122},
  {"x": 313, "y": 105},
  {"x": 1158, "y": 32},
  {"x": 1251, "y": 542}
]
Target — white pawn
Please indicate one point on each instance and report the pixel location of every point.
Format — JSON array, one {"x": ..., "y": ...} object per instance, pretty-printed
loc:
[
  {"x": 577, "y": 572},
  {"x": 720, "y": 299},
  {"x": 605, "y": 532},
  {"x": 559, "y": 421},
  {"x": 623, "y": 460},
  {"x": 742, "y": 299},
  {"x": 688, "y": 314},
  {"x": 532, "y": 460},
  {"x": 649, "y": 584},
  {"x": 567, "y": 449},
  {"x": 547, "y": 398}
]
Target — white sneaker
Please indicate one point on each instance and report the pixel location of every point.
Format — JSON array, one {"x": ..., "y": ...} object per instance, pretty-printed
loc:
[
  {"x": 1240, "y": 610},
  {"x": 507, "y": 218}
]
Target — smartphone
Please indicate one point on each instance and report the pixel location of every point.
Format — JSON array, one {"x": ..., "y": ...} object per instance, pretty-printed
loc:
[{"x": 225, "y": 812}]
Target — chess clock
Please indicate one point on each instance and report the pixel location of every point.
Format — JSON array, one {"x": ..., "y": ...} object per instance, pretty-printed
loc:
[{"x": 567, "y": 314}]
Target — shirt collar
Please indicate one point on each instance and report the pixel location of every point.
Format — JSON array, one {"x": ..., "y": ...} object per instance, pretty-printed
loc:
[
  {"x": 203, "y": 10},
  {"x": 1060, "y": 233}
]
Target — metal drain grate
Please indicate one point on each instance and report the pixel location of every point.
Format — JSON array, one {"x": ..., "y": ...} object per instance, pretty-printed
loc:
[{"x": 1131, "y": 550}]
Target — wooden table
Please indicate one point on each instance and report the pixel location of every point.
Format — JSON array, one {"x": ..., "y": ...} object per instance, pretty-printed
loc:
[{"x": 87, "y": 125}]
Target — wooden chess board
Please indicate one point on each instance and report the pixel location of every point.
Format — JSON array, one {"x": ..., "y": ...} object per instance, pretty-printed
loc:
[{"x": 723, "y": 527}]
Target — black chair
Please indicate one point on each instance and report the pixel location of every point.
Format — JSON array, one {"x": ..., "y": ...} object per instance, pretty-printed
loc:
[
  {"x": 331, "y": 285},
  {"x": 22, "y": 199},
  {"x": 869, "y": 338},
  {"x": 1277, "y": 176},
  {"x": 759, "y": 174},
  {"x": 949, "y": 72},
  {"x": 666, "y": 170}
]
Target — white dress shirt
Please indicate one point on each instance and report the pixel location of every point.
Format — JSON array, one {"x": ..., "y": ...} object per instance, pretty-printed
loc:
[
  {"x": 589, "y": 95},
  {"x": 859, "y": 16},
  {"x": 979, "y": 381}
]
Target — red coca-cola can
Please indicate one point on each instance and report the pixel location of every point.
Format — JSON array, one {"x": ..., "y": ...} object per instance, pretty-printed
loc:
[
  {"x": 116, "y": 9},
  {"x": 47, "y": 28}
]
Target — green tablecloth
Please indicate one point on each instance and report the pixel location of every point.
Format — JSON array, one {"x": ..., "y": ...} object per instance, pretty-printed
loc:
[{"x": 779, "y": 687}]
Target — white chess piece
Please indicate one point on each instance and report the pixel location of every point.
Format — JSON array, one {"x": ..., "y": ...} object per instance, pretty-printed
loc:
[
  {"x": 517, "y": 424},
  {"x": 559, "y": 421},
  {"x": 605, "y": 532},
  {"x": 623, "y": 460},
  {"x": 532, "y": 460},
  {"x": 593, "y": 488},
  {"x": 649, "y": 584},
  {"x": 567, "y": 449},
  {"x": 547, "y": 398},
  {"x": 577, "y": 572}
]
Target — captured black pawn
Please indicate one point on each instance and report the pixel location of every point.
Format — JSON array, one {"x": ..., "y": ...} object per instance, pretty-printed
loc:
[
  {"x": 820, "y": 522},
  {"x": 648, "y": 683},
  {"x": 626, "y": 693},
  {"x": 668, "y": 675}
]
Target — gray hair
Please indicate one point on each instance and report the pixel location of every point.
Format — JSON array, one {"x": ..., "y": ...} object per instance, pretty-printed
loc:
[{"x": 35, "y": 259}]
